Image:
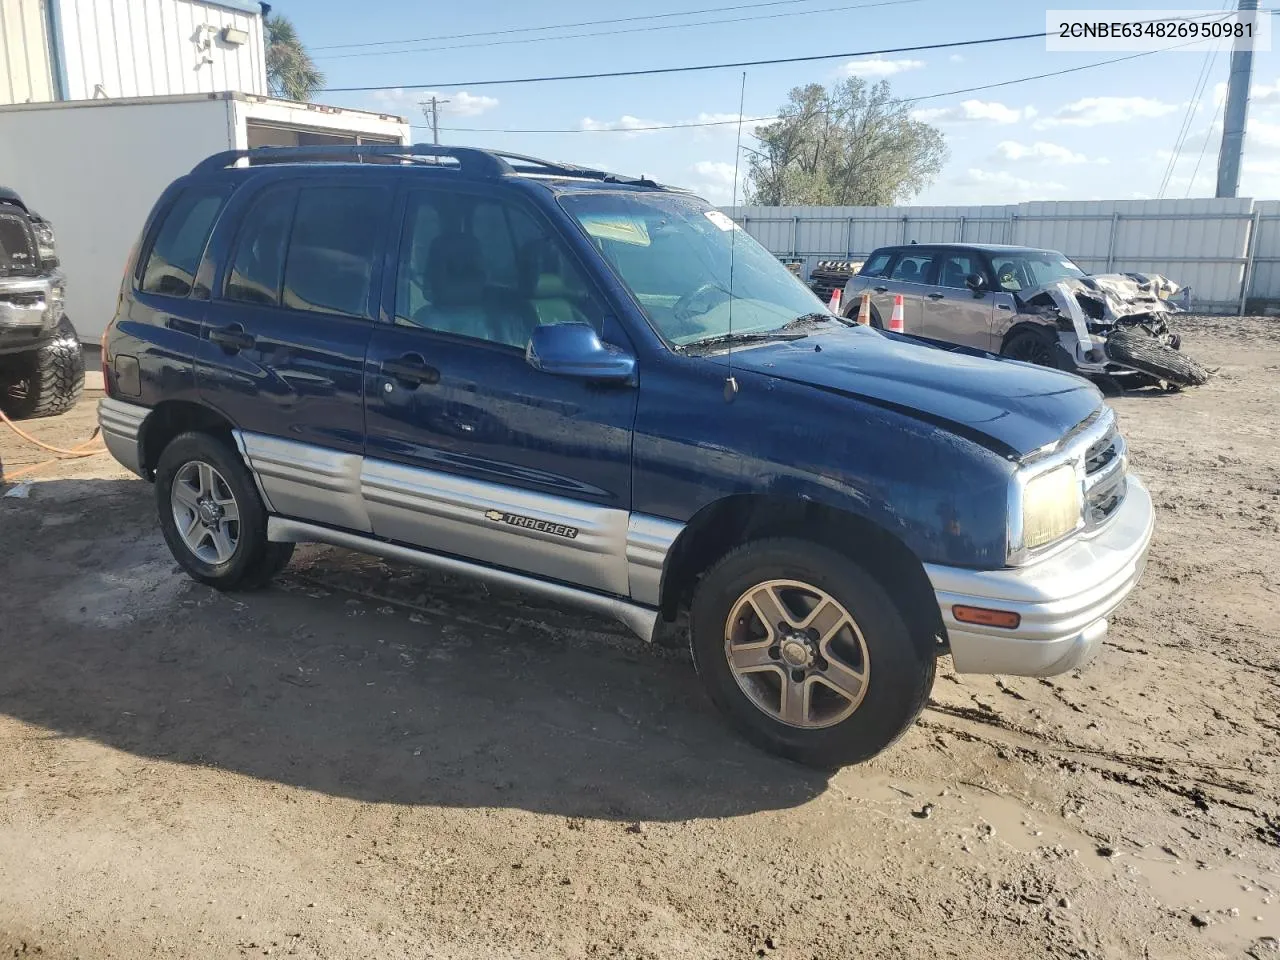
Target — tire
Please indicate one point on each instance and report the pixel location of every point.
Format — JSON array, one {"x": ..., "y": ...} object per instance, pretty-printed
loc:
[
  {"x": 227, "y": 554},
  {"x": 1031, "y": 345},
  {"x": 49, "y": 380},
  {"x": 1146, "y": 353},
  {"x": 831, "y": 729}
]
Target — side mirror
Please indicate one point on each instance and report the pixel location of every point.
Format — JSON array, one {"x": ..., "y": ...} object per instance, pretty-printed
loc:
[
  {"x": 977, "y": 283},
  {"x": 575, "y": 350}
]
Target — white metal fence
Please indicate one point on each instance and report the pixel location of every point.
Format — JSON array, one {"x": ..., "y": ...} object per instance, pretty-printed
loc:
[{"x": 1227, "y": 251}]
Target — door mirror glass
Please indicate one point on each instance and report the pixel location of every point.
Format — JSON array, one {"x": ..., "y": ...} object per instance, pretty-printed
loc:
[
  {"x": 576, "y": 350},
  {"x": 977, "y": 283}
]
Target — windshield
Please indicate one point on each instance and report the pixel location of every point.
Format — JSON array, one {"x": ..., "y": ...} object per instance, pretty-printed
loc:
[
  {"x": 1032, "y": 269},
  {"x": 673, "y": 253}
]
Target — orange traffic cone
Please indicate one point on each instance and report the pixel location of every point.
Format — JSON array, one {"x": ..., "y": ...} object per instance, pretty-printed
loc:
[
  {"x": 834, "y": 304},
  {"x": 895, "y": 319},
  {"x": 864, "y": 311}
]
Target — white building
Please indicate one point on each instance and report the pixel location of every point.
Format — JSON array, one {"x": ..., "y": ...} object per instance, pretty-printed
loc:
[
  {"x": 100, "y": 49},
  {"x": 104, "y": 102}
]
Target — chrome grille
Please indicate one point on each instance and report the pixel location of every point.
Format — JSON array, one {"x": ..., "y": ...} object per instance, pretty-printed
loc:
[
  {"x": 18, "y": 254},
  {"x": 1105, "y": 466}
]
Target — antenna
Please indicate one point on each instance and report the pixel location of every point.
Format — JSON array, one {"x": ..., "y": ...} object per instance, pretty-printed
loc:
[{"x": 730, "y": 383}]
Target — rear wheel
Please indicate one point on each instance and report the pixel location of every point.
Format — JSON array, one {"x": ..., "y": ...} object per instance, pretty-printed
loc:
[
  {"x": 212, "y": 517},
  {"x": 1031, "y": 345},
  {"x": 805, "y": 653},
  {"x": 46, "y": 382}
]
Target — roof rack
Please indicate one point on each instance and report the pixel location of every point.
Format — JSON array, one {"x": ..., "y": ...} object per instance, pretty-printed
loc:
[{"x": 470, "y": 161}]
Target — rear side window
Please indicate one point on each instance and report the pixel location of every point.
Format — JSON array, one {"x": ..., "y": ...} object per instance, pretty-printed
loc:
[
  {"x": 171, "y": 263},
  {"x": 257, "y": 266},
  {"x": 913, "y": 268},
  {"x": 875, "y": 266},
  {"x": 336, "y": 238}
]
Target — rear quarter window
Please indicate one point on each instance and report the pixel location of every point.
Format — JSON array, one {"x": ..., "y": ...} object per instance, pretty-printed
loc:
[
  {"x": 875, "y": 265},
  {"x": 169, "y": 267}
]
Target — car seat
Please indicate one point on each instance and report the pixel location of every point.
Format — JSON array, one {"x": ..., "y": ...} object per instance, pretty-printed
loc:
[
  {"x": 954, "y": 275},
  {"x": 542, "y": 283}
]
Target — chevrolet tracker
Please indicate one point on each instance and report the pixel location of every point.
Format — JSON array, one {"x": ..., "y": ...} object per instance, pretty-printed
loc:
[{"x": 601, "y": 390}]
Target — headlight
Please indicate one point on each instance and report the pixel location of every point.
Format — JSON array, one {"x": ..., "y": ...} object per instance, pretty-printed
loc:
[
  {"x": 45, "y": 243},
  {"x": 1046, "y": 508}
]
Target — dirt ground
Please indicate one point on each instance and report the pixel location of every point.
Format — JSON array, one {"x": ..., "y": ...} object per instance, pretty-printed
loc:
[{"x": 373, "y": 761}]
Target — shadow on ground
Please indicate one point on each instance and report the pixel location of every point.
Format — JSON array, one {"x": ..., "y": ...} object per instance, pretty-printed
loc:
[{"x": 354, "y": 677}]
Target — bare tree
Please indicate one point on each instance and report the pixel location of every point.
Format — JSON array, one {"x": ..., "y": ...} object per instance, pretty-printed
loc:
[
  {"x": 291, "y": 73},
  {"x": 852, "y": 145}
]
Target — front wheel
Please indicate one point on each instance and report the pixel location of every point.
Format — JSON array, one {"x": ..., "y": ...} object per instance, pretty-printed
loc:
[
  {"x": 212, "y": 517},
  {"x": 806, "y": 653},
  {"x": 1031, "y": 345}
]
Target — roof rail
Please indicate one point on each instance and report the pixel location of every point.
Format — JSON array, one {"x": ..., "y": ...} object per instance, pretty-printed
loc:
[
  {"x": 524, "y": 164},
  {"x": 472, "y": 162}
]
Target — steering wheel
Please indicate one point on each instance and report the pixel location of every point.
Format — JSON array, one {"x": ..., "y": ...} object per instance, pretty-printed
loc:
[{"x": 686, "y": 308}]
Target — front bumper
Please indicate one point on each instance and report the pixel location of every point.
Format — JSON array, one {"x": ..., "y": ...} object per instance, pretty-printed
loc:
[
  {"x": 1064, "y": 601},
  {"x": 30, "y": 308}
]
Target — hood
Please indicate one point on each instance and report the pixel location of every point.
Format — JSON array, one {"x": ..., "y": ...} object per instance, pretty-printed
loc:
[
  {"x": 1108, "y": 297},
  {"x": 1012, "y": 408}
]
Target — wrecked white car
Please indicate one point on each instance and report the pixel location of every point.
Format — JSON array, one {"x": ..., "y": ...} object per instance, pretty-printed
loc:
[{"x": 1031, "y": 305}]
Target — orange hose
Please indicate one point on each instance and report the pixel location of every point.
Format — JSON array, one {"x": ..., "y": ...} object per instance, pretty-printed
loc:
[{"x": 74, "y": 453}]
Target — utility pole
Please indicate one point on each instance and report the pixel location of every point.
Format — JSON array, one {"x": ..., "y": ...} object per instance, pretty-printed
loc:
[
  {"x": 432, "y": 110},
  {"x": 1236, "y": 114}
]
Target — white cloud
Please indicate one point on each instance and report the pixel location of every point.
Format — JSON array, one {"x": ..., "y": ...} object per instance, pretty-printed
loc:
[
  {"x": 875, "y": 67},
  {"x": 1000, "y": 186},
  {"x": 714, "y": 180},
  {"x": 1094, "y": 111},
  {"x": 636, "y": 125},
  {"x": 409, "y": 103},
  {"x": 956, "y": 58},
  {"x": 1041, "y": 152},
  {"x": 975, "y": 111}
]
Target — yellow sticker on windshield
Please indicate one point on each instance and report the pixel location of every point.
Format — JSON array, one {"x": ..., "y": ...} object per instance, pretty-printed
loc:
[{"x": 620, "y": 228}]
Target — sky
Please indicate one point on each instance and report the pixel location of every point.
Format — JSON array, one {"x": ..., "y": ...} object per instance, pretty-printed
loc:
[{"x": 1105, "y": 133}]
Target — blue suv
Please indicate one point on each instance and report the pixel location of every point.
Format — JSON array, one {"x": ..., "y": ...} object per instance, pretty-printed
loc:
[{"x": 601, "y": 390}]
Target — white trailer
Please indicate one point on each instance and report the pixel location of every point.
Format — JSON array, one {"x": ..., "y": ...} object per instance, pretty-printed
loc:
[{"x": 94, "y": 168}]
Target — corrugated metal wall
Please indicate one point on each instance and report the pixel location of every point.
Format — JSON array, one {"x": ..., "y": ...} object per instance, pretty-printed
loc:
[
  {"x": 142, "y": 48},
  {"x": 26, "y": 74},
  {"x": 1209, "y": 245}
]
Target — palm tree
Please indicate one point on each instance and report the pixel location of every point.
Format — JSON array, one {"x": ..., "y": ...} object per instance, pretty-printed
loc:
[{"x": 290, "y": 71}]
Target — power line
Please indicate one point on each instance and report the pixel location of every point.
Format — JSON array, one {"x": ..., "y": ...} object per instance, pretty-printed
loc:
[
  {"x": 719, "y": 123},
  {"x": 1208, "y": 135},
  {"x": 611, "y": 33},
  {"x": 1197, "y": 91},
  {"x": 565, "y": 26},
  {"x": 654, "y": 71}
]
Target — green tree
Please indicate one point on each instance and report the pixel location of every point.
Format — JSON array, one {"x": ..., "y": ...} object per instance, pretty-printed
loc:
[
  {"x": 291, "y": 73},
  {"x": 852, "y": 145}
]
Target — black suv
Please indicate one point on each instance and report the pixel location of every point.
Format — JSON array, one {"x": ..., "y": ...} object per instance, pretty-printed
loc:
[{"x": 41, "y": 364}]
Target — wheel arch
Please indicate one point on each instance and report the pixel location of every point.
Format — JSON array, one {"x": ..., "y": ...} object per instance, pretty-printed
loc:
[
  {"x": 726, "y": 524},
  {"x": 171, "y": 418},
  {"x": 1028, "y": 324}
]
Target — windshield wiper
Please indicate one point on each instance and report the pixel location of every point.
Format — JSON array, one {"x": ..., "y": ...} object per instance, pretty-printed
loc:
[
  {"x": 805, "y": 319},
  {"x": 735, "y": 339}
]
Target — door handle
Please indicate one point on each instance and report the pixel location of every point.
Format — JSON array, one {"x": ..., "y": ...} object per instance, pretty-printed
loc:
[
  {"x": 936, "y": 296},
  {"x": 881, "y": 289},
  {"x": 233, "y": 338},
  {"x": 1003, "y": 306},
  {"x": 411, "y": 369}
]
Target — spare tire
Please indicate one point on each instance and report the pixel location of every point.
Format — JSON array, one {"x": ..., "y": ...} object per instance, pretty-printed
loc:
[{"x": 1144, "y": 352}]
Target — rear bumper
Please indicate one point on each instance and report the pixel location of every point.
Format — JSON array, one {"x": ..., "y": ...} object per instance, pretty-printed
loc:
[
  {"x": 121, "y": 424},
  {"x": 1063, "y": 601}
]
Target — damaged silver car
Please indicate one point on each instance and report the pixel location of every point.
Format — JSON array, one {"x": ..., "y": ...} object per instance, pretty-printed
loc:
[{"x": 1031, "y": 305}]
